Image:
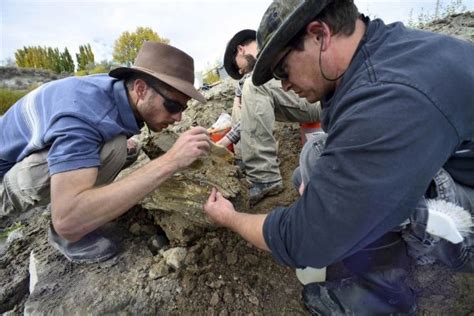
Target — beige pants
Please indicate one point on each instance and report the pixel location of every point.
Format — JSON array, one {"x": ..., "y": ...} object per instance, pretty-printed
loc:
[
  {"x": 261, "y": 107},
  {"x": 27, "y": 184}
]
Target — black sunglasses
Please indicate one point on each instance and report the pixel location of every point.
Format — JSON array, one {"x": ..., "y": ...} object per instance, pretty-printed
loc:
[
  {"x": 172, "y": 106},
  {"x": 279, "y": 72}
]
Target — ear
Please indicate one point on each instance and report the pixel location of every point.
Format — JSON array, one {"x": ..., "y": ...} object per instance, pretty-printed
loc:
[
  {"x": 140, "y": 87},
  {"x": 240, "y": 48},
  {"x": 320, "y": 32}
]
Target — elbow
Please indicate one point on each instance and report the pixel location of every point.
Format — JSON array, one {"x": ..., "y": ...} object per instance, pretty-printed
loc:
[{"x": 66, "y": 229}]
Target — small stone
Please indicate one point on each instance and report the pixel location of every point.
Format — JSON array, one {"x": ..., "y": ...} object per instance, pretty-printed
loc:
[
  {"x": 228, "y": 297},
  {"x": 206, "y": 254},
  {"x": 216, "y": 284},
  {"x": 191, "y": 259},
  {"x": 254, "y": 300},
  {"x": 216, "y": 244},
  {"x": 223, "y": 312},
  {"x": 159, "y": 270},
  {"x": 175, "y": 257},
  {"x": 214, "y": 299},
  {"x": 157, "y": 242},
  {"x": 232, "y": 258},
  {"x": 188, "y": 284},
  {"x": 252, "y": 259},
  {"x": 135, "y": 229}
]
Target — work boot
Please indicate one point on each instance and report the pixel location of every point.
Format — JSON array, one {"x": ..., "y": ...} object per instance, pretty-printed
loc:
[
  {"x": 377, "y": 293},
  {"x": 91, "y": 248},
  {"x": 259, "y": 190},
  {"x": 377, "y": 287}
]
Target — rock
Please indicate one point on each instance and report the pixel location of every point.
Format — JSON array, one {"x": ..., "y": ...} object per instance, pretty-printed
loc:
[
  {"x": 457, "y": 25},
  {"x": 159, "y": 270},
  {"x": 185, "y": 192},
  {"x": 188, "y": 283},
  {"x": 23, "y": 78},
  {"x": 177, "y": 228},
  {"x": 214, "y": 299},
  {"x": 251, "y": 259},
  {"x": 206, "y": 253},
  {"x": 157, "y": 242},
  {"x": 175, "y": 257},
  {"x": 191, "y": 258},
  {"x": 223, "y": 312},
  {"x": 216, "y": 284},
  {"x": 135, "y": 229},
  {"x": 254, "y": 300},
  {"x": 33, "y": 270},
  {"x": 105, "y": 288},
  {"x": 232, "y": 258},
  {"x": 228, "y": 297}
]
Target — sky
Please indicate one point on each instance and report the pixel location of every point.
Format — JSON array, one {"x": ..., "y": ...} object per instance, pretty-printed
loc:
[{"x": 201, "y": 28}]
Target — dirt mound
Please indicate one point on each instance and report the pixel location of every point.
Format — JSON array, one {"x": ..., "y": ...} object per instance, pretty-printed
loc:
[
  {"x": 25, "y": 78},
  {"x": 459, "y": 25}
]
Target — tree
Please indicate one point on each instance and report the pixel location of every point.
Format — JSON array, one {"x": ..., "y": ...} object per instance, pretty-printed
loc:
[
  {"x": 127, "y": 45},
  {"x": 67, "y": 62},
  {"x": 84, "y": 57},
  {"x": 44, "y": 58}
]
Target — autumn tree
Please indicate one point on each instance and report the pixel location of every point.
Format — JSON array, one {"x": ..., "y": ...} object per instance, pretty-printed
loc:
[
  {"x": 84, "y": 57},
  {"x": 127, "y": 45}
]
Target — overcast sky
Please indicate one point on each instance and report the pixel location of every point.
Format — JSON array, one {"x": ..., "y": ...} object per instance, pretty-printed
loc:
[{"x": 200, "y": 28}]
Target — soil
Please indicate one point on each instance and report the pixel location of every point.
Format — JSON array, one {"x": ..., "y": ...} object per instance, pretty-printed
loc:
[{"x": 221, "y": 274}]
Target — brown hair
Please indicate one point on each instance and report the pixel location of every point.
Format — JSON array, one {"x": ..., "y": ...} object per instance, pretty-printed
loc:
[{"x": 339, "y": 15}]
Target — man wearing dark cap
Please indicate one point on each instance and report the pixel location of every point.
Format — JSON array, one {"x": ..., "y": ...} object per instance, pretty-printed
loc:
[
  {"x": 259, "y": 107},
  {"x": 397, "y": 106},
  {"x": 64, "y": 143}
]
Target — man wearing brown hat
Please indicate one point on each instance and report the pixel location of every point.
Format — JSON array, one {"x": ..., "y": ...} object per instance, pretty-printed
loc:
[
  {"x": 259, "y": 108},
  {"x": 64, "y": 143}
]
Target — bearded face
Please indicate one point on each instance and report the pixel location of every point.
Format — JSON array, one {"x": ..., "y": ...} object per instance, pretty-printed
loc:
[{"x": 251, "y": 60}]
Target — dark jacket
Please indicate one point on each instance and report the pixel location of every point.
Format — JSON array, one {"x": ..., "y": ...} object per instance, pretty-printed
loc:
[{"x": 403, "y": 110}]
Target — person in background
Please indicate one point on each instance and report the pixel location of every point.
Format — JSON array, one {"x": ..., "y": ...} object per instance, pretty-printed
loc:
[{"x": 259, "y": 107}]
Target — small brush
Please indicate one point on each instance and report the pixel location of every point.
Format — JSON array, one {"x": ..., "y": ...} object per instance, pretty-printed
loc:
[{"x": 448, "y": 221}]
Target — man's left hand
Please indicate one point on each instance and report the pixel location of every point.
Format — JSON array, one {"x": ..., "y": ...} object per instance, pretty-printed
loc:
[{"x": 218, "y": 209}]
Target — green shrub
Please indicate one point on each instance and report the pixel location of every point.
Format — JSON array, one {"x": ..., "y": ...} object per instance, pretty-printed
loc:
[{"x": 9, "y": 97}]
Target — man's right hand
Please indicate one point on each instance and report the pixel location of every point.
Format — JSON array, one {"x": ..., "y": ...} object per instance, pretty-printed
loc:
[{"x": 191, "y": 145}]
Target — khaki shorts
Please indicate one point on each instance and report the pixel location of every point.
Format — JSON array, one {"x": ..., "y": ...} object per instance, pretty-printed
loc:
[{"x": 27, "y": 184}]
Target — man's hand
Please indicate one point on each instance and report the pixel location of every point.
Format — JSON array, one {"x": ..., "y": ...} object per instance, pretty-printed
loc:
[
  {"x": 222, "y": 213},
  {"x": 189, "y": 146},
  {"x": 218, "y": 209}
]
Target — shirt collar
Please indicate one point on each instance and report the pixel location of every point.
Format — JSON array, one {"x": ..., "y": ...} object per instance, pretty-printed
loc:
[{"x": 124, "y": 107}]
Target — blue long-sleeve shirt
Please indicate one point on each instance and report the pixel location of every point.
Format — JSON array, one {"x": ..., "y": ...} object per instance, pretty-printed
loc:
[
  {"x": 73, "y": 117},
  {"x": 403, "y": 110}
]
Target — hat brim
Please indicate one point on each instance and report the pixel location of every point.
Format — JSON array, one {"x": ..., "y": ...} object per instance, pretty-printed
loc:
[
  {"x": 229, "y": 54},
  {"x": 282, "y": 36},
  {"x": 179, "y": 84}
]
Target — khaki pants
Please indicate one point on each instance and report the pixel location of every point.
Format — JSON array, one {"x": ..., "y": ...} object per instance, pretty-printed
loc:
[
  {"x": 27, "y": 184},
  {"x": 261, "y": 106}
]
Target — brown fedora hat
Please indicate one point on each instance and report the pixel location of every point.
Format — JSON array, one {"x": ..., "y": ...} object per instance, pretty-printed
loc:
[{"x": 166, "y": 63}]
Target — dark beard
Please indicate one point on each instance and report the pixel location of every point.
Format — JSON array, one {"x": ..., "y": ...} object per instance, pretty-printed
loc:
[{"x": 251, "y": 61}]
